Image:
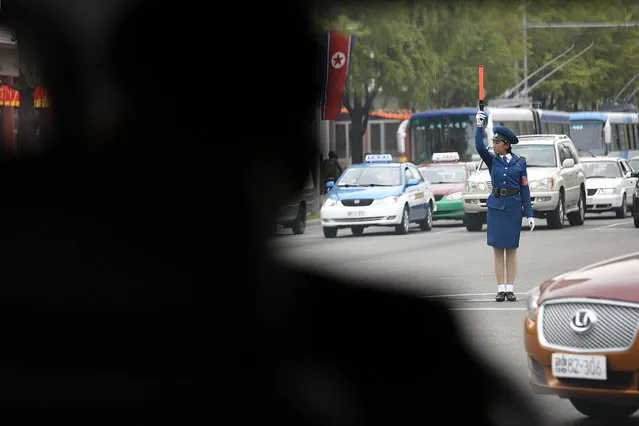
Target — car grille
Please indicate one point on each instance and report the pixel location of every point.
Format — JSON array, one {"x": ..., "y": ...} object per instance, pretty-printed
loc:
[
  {"x": 591, "y": 191},
  {"x": 438, "y": 197},
  {"x": 489, "y": 184},
  {"x": 615, "y": 329},
  {"x": 361, "y": 203}
]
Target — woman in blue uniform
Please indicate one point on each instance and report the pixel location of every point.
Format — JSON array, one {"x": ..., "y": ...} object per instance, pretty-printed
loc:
[{"x": 510, "y": 192}]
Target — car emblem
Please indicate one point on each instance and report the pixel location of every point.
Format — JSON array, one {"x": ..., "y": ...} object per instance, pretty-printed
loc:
[
  {"x": 583, "y": 320},
  {"x": 356, "y": 201}
]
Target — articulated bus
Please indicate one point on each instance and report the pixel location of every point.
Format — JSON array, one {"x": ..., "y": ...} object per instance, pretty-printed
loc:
[
  {"x": 453, "y": 129},
  {"x": 554, "y": 122},
  {"x": 605, "y": 133}
]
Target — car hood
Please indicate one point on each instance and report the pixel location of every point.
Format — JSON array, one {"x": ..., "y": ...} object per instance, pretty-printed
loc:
[
  {"x": 356, "y": 192},
  {"x": 616, "y": 279},
  {"x": 534, "y": 173},
  {"x": 596, "y": 183},
  {"x": 446, "y": 188}
]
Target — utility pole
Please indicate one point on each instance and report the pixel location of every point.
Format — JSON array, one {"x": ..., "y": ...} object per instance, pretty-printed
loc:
[
  {"x": 526, "y": 26},
  {"x": 525, "y": 48}
]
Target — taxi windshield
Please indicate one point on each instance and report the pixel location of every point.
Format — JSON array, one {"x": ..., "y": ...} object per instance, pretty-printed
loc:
[
  {"x": 601, "y": 169},
  {"x": 444, "y": 174},
  {"x": 371, "y": 176}
]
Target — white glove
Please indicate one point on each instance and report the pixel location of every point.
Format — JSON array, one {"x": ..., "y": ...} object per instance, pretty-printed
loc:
[
  {"x": 531, "y": 223},
  {"x": 481, "y": 118}
]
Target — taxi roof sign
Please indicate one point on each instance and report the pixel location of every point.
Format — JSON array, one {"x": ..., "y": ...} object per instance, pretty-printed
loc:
[
  {"x": 378, "y": 158},
  {"x": 445, "y": 156}
]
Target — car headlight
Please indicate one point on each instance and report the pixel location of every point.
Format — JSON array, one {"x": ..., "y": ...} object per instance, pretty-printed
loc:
[
  {"x": 453, "y": 196},
  {"x": 545, "y": 183},
  {"x": 329, "y": 202},
  {"x": 475, "y": 186},
  {"x": 388, "y": 200},
  {"x": 531, "y": 302}
]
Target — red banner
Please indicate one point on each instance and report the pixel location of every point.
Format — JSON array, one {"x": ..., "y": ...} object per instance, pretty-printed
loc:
[
  {"x": 336, "y": 63},
  {"x": 11, "y": 97}
]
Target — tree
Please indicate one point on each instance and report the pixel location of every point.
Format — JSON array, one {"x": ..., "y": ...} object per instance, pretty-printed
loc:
[{"x": 393, "y": 59}]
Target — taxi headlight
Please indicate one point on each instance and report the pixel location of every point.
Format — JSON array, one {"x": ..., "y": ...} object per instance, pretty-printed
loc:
[
  {"x": 388, "y": 200},
  {"x": 482, "y": 186},
  {"x": 545, "y": 183},
  {"x": 531, "y": 302},
  {"x": 453, "y": 196},
  {"x": 471, "y": 186},
  {"x": 329, "y": 202}
]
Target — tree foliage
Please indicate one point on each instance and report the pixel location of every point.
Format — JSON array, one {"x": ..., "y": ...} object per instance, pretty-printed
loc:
[{"x": 426, "y": 54}]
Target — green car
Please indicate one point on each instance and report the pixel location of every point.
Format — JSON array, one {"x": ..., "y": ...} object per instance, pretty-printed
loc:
[{"x": 447, "y": 177}]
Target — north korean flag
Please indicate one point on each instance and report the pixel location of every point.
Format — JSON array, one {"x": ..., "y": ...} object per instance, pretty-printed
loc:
[{"x": 337, "y": 59}]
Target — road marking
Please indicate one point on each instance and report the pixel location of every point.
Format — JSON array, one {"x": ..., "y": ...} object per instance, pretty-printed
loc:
[
  {"x": 458, "y": 295},
  {"x": 451, "y": 230},
  {"x": 488, "y": 300},
  {"x": 610, "y": 226},
  {"x": 487, "y": 309}
]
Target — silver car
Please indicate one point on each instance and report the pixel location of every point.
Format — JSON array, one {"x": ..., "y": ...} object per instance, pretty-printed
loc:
[
  {"x": 609, "y": 185},
  {"x": 555, "y": 176}
]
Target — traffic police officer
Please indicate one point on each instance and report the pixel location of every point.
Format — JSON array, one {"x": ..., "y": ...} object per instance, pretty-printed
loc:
[{"x": 510, "y": 192}]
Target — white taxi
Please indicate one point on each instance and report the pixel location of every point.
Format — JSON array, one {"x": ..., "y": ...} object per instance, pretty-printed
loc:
[
  {"x": 379, "y": 192},
  {"x": 609, "y": 185}
]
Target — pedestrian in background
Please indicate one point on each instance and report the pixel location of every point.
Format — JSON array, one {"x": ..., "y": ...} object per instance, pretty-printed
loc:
[
  {"x": 331, "y": 169},
  {"x": 510, "y": 193}
]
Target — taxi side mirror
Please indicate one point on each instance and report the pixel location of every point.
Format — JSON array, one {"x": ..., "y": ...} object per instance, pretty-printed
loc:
[
  {"x": 330, "y": 184},
  {"x": 412, "y": 182},
  {"x": 568, "y": 162},
  {"x": 627, "y": 175}
]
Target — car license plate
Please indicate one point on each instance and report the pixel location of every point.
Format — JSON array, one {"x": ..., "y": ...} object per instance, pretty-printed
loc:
[
  {"x": 358, "y": 213},
  {"x": 579, "y": 366}
]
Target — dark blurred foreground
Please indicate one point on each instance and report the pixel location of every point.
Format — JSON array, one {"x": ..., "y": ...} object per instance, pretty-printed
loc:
[{"x": 137, "y": 284}]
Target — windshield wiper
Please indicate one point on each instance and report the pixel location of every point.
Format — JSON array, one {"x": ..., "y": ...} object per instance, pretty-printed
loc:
[
  {"x": 377, "y": 184},
  {"x": 538, "y": 165},
  {"x": 446, "y": 182},
  {"x": 605, "y": 177}
]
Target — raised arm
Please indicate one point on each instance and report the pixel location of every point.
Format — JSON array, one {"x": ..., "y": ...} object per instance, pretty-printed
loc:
[{"x": 479, "y": 140}]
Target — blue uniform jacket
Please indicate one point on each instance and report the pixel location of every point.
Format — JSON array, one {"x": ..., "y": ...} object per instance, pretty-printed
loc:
[{"x": 511, "y": 175}]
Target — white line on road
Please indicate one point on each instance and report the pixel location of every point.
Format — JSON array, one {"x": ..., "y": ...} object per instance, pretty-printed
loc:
[
  {"x": 610, "y": 226},
  {"x": 451, "y": 230},
  {"x": 458, "y": 295},
  {"x": 487, "y": 309}
]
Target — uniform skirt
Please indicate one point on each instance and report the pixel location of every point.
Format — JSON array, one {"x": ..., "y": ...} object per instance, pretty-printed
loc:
[{"x": 504, "y": 228}]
